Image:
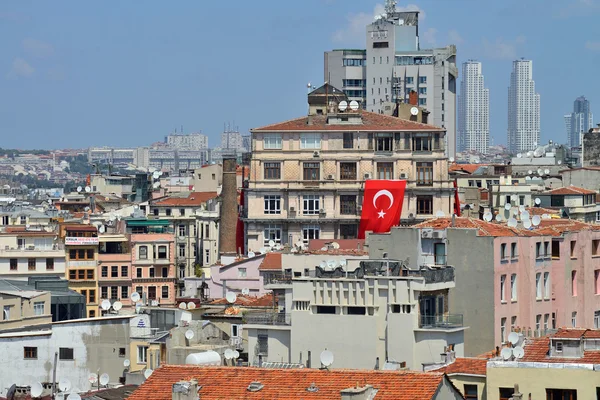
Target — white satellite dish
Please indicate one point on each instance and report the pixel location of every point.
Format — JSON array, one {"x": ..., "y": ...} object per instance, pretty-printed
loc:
[
  {"x": 88, "y": 189},
  {"x": 135, "y": 297},
  {"x": 231, "y": 297},
  {"x": 191, "y": 305},
  {"x": 245, "y": 291},
  {"x": 498, "y": 218},
  {"x": 440, "y": 214},
  {"x": 518, "y": 352},
  {"x": 521, "y": 208},
  {"x": 335, "y": 245},
  {"x": 189, "y": 334},
  {"x": 74, "y": 396},
  {"x": 102, "y": 229},
  {"x": 536, "y": 220},
  {"x": 519, "y": 155},
  {"x": 126, "y": 363},
  {"x": 64, "y": 385},
  {"x": 271, "y": 243},
  {"x": 513, "y": 338},
  {"x": 79, "y": 189},
  {"x": 183, "y": 305},
  {"x": 93, "y": 378},
  {"x": 36, "y": 389},
  {"x": 117, "y": 305},
  {"x": 236, "y": 354},
  {"x": 326, "y": 358},
  {"x": 540, "y": 172},
  {"x": 506, "y": 353},
  {"x": 414, "y": 111},
  {"x": 155, "y": 175},
  {"x": 105, "y": 305},
  {"x": 354, "y": 105},
  {"x": 343, "y": 105},
  {"x": 527, "y": 178},
  {"x": 537, "y": 201},
  {"x": 228, "y": 354},
  {"x": 104, "y": 379},
  {"x": 547, "y": 171},
  {"x": 529, "y": 172},
  {"x": 156, "y": 185},
  {"x": 323, "y": 264},
  {"x": 525, "y": 215},
  {"x": 530, "y": 154},
  {"x": 147, "y": 373},
  {"x": 251, "y": 254},
  {"x": 512, "y": 222},
  {"x": 331, "y": 264},
  {"x": 507, "y": 206},
  {"x": 559, "y": 162},
  {"x": 527, "y": 223},
  {"x": 488, "y": 216},
  {"x": 451, "y": 159}
]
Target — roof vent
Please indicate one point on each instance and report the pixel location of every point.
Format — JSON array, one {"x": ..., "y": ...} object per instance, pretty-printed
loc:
[
  {"x": 312, "y": 388},
  {"x": 255, "y": 386}
]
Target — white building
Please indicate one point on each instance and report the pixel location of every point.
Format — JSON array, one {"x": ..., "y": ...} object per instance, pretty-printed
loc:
[
  {"x": 473, "y": 110},
  {"x": 231, "y": 139},
  {"x": 192, "y": 141},
  {"x": 27, "y": 254},
  {"x": 523, "y": 108}
]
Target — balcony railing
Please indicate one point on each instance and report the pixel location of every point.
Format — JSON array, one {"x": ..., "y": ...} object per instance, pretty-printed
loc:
[
  {"x": 277, "y": 278},
  {"x": 54, "y": 247},
  {"x": 446, "y": 321},
  {"x": 268, "y": 319}
]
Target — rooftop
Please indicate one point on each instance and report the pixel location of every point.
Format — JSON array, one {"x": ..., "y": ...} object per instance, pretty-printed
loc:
[
  {"x": 193, "y": 199},
  {"x": 271, "y": 262},
  {"x": 465, "y": 168},
  {"x": 233, "y": 382},
  {"x": 248, "y": 301},
  {"x": 465, "y": 366},
  {"x": 571, "y": 190}
]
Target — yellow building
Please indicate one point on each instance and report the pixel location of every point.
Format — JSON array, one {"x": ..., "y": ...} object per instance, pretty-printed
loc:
[
  {"x": 24, "y": 309},
  {"x": 468, "y": 375}
]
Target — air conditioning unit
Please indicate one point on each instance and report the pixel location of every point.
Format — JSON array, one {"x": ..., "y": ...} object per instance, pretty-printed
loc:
[
  {"x": 322, "y": 211},
  {"x": 367, "y": 176},
  {"x": 438, "y": 235},
  {"x": 403, "y": 175},
  {"x": 427, "y": 233},
  {"x": 330, "y": 177},
  {"x": 292, "y": 209}
]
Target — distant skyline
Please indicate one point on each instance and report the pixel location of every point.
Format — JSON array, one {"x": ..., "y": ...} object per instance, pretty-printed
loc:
[{"x": 76, "y": 74}]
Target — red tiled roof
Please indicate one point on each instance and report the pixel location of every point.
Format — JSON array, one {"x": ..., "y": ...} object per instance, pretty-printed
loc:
[
  {"x": 81, "y": 228},
  {"x": 571, "y": 190},
  {"x": 537, "y": 350},
  {"x": 468, "y": 168},
  {"x": 569, "y": 334},
  {"x": 248, "y": 301},
  {"x": 272, "y": 261},
  {"x": 465, "y": 365},
  {"x": 371, "y": 122},
  {"x": 194, "y": 199},
  {"x": 541, "y": 211},
  {"x": 232, "y": 383}
]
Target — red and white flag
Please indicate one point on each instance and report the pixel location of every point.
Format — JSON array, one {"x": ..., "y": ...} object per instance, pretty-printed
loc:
[{"x": 382, "y": 206}]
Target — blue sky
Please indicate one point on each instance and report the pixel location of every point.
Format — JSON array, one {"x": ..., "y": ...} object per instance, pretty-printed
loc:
[{"x": 76, "y": 74}]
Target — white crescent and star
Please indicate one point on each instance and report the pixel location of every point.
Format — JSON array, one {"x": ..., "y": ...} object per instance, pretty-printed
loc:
[{"x": 388, "y": 194}]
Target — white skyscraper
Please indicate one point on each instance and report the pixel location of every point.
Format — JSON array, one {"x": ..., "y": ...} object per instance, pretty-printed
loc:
[
  {"x": 473, "y": 110},
  {"x": 523, "y": 108}
]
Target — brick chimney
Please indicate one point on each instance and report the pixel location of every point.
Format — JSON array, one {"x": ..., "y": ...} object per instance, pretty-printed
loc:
[
  {"x": 413, "y": 98},
  {"x": 185, "y": 390},
  {"x": 229, "y": 209}
]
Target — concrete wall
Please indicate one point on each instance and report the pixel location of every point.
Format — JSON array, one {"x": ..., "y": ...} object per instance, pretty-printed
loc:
[
  {"x": 234, "y": 280},
  {"x": 459, "y": 381},
  {"x": 584, "y": 178},
  {"x": 446, "y": 391},
  {"x": 431, "y": 343},
  {"x": 279, "y": 344},
  {"x": 22, "y": 310}
]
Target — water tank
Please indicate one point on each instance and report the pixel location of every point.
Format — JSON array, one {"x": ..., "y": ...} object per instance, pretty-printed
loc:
[{"x": 205, "y": 358}]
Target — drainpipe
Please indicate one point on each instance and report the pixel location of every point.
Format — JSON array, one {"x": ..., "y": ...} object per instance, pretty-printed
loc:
[
  {"x": 453, "y": 219},
  {"x": 54, "y": 375}
]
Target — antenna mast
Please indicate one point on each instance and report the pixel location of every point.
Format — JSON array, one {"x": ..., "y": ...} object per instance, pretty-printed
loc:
[{"x": 390, "y": 7}]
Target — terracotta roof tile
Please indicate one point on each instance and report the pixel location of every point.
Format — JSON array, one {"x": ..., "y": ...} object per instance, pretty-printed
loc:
[
  {"x": 541, "y": 211},
  {"x": 468, "y": 168},
  {"x": 571, "y": 190},
  {"x": 371, "y": 122},
  {"x": 194, "y": 199},
  {"x": 272, "y": 261},
  {"x": 569, "y": 333},
  {"x": 248, "y": 301},
  {"x": 466, "y": 365},
  {"x": 232, "y": 383},
  {"x": 537, "y": 350}
]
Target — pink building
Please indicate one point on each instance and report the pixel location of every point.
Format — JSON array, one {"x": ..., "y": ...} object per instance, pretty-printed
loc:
[{"x": 114, "y": 268}]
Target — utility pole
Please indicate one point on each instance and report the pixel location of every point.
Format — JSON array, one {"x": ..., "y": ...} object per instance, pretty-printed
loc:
[{"x": 54, "y": 375}]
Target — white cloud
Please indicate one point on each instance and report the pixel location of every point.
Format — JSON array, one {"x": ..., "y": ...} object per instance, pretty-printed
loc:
[
  {"x": 454, "y": 37},
  {"x": 20, "y": 68},
  {"x": 37, "y": 48},
  {"x": 594, "y": 46},
  {"x": 429, "y": 36},
  {"x": 502, "y": 49}
]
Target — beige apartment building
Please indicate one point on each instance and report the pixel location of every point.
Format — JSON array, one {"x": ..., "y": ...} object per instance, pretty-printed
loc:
[
  {"x": 24, "y": 308},
  {"x": 307, "y": 175}
]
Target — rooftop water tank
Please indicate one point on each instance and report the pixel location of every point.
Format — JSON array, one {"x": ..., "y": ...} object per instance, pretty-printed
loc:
[{"x": 205, "y": 358}]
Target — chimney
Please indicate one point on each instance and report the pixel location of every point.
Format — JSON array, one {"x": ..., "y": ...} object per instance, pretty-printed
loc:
[
  {"x": 229, "y": 209},
  {"x": 413, "y": 98},
  {"x": 359, "y": 393},
  {"x": 185, "y": 390}
]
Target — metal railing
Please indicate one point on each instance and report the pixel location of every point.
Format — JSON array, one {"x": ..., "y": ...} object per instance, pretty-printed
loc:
[
  {"x": 441, "y": 321},
  {"x": 279, "y": 277},
  {"x": 236, "y": 342},
  {"x": 268, "y": 319}
]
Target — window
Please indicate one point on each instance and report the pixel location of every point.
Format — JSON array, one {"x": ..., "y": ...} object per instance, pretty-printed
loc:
[
  {"x": 124, "y": 292},
  {"x": 547, "y": 285},
  {"x": 506, "y": 393},
  {"x": 165, "y": 272},
  {"x": 114, "y": 292},
  {"x": 538, "y": 286},
  {"x": 424, "y": 174},
  {"x": 14, "y": 264},
  {"x": 272, "y": 141},
  {"x": 168, "y": 212},
  {"x": 114, "y": 271},
  {"x": 421, "y": 143},
  {"x": 546, "y": 318},
  {"x": 38, "y": 308},
  {"x": 155, "y": 211},
  {"x": 143, "y": 252},
  {"x": 573, "y": 246},
  {"x": 181, "y": 250},
  {"x": 471, "y": 392},
  {"x": 242, "y": 273},
  {"x": 348, "y": 171},
  {"x": 348, "y": 140},
  {"x": 574, "y": 283},
  {"x": 310, "y": 232},
  {"x": 207, "y": 254},
  {"x": 385, "y": 170},
  {"x": 124, "y": 269},
  {"x": 546, "y": 249},
  {"x": 348, "y": 231},
  {"x": 513, "y": 250},
  {"x": 142, "y": 354},
  {"x": 311, "y": 171},
  {"x": 384, "y": 141},
  {"x": 272, "y": 170},
  {"x": 104, "y": 272},
  {"x": 503, "y": 251},
  {"x": 502, "y": 330},
  {"x": 310, "y": 140},
  {"x": 513, "y": 287},
  {"x": 181, "y": 230},
  {"x": 30, "y": 353},
  {"x": 513, "y": 323},
  {"x": 555, "y": 249},
  {"x": 596, "y": 319},
  {"x": 596, "y": 247},
  {"x": 503, "y": 288},
  {"x": 122, "y": 352},
  {"x": 31, "y": 264},
  {"x": 347, "y": 204},
  {"x": 164, "y": 292},
  {"x": 439, "y": 250},
  {"x": 538, "y": 322},
  {"x": 424, "y": 205},
  {"x": 325, "y": 309},
  {"x": 207, "y": 231},
  {"x": 5, "y": 313},
  {"x": 271, "y": 232},
  {"x": 272, "y": 204},
  {"x": 49, "y": 264},
  {"x": 310, "y": 204},
  {"x": 538, "y": 250},
  {"x": 423, "y": 80},
  {"x": 65, "y": 353},
  {"x": 574, "y": 319},
  {"x": 138, "y": 273},
  {"x": 162, "y": 252},
  {"x": 151, "y": 292},
  {"x": 422, "y": 102},
  {"x": 561, "y": 394},
  {"x": 151, "y": 272},
  {"x": 559, "y": 347},
  {"x": 182, "y": 211},
  {"x": 92, "y": 295},
  {"x": 409, "y": 80}
]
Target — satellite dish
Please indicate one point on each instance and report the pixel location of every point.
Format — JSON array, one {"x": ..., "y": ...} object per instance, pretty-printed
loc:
[
  {"x": 189, "y": 334},
  {"x": 236, "y": 354},
  {"x": 156, "y": 185},
  {"x": 147, "y": 373},
  {"x": 498, "y": 218},
  {"x": 88, "y": 189},
  {"x": 11, "y": 392},
  {"x": 323, "y": 264},
  {"x": 547, "y": 171},
  {"x": 343, "y": 105},
  {"x": 507, "y": 206},
  {"x": 487, "y": 216},
  {"x": 527, "y": 223},
  {"x": 104, "y": 378},
  {"x": 155, "y": 175},
  {"x": 79, "y": 189},
  {"x": 117, "y": 305},
  {"x": 525, "y": 215},
  {"x": 271, "y": 243},
  {"x": 36, "y": 389},
  {"x": 74, "y": 396},
  {"x": 521, "y": 208},
  {"x": 102, "y": 229},
  {"x": 529, "y": 172},
  {"x": 126, "y": 363},
  {"x": 64, "y": 385},
  {"x": 228, "y": 354},
  {"x": 512, "y": 222},
  {"x": 536, "y": 220},
  {"x": 105, "y": 305},
  {"x": 414, "y": 111},
  {"x": 513, "y": 338},
  {"x": 506, "y": 353},
  {"x": 326, "y": 358},
  {"x": 519, "y": 155},
  {"x": 518, "y": 352},
  {"x": 231, "y": 297},
  {"x": 135, "y": 297},
  {"x": 251, "y": 254},
  {"x": 440, "y": 214},
  {"x": 537, "y": 201},
  {"x": 527, "y": 178},
  {"x": 335, "y": 245},
  {"x": 331, "y": 264},
  {"x": 559, "y": 162},
  {"x": 354, "y": 105},
  {"x": 191, "y": 305},
  {"x": 451, "y": 159},
  {"x": 183, "y": 305},
  {"x": 540, "y": 172},
  {"x": 245, "y": 291},
  {"x": 93, "y": 378}
]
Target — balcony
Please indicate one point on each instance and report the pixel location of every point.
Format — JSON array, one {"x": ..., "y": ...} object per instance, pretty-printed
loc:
[
  {"x": 446, "y": 321},
  {"x": 277, "y": 278},
  {"x": 273, "y": 318}
]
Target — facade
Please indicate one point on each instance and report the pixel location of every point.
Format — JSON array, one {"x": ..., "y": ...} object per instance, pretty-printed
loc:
[
  {"x": 523, "y": 108},
  {"x": 192, "y": 141},
  {"x": 473, "y": 110},
  {"x": 347, "y": 69},
  {"x": 231, "y": 139},
  {"x": 585, "y": 177},
  {"x": 25, "y": 254},
  {"x": 114, "y": 269},
  {"x": 574, "y": 203},
  {"x": 307, "y": 175},
  {"x": 468, "y": 375},
  {"x": 590, "y": 149},
  {"x": 24, "y": 309},
  {"x": 580, "y": 121},
  {"x": 381, "y": 310}
]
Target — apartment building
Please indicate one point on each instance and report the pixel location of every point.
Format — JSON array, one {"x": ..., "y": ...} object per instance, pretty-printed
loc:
[
  {"x": 24, "y": 309},
  {"x": 81, "y": 248},
  {"x": 307, "y": 175},
  {"x": 575, "y": 202},
  {"x": 25, "y": 254},
  {"x": 114, "y": 268},
  {"x": 533, "y": 280}
]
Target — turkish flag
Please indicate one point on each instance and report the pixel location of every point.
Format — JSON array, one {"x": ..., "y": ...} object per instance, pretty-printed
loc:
[{"x": 382, "y": 206}]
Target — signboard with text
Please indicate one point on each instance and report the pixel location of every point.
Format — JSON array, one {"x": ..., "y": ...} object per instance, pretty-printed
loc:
[{"x": 78, "y": 241}]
